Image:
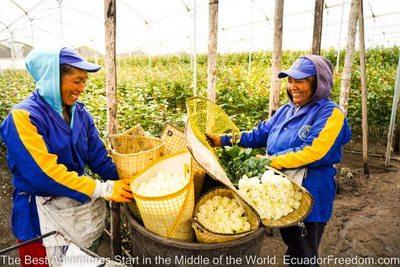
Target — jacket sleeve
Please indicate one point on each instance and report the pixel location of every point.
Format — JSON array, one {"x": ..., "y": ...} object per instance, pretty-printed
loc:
[
  {"x": 25, "y": 138},
  {"x": 99, "y": 160},
  {"x": 326, "y": 137},
  {"x": 255, "y": 138}
]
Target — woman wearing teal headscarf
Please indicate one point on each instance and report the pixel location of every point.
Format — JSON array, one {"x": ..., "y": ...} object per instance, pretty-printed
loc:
[{"x": 50, "y": 138}]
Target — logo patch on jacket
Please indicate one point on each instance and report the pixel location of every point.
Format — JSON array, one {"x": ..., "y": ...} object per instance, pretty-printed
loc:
[{"x": 303, "y": 132}]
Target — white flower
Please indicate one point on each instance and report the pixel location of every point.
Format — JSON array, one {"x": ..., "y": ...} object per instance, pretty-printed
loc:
[
  {"x": 266, "y": 176},
  {"x": 163, "y": 183},
  {"x": 273, "y": 198},
  {"x": 253, "y": 181},
  {"x": 223, "y": 215}
]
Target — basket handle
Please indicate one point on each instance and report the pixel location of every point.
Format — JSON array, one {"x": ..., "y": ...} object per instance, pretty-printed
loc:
[{"x": 195, "y": 224}]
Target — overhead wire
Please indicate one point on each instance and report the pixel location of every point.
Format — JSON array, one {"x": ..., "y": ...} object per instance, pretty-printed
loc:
[
  {"x": 23, "y": 15},
  {"x": 27, "y": 14},
  {"x": 224, "y": 30}
]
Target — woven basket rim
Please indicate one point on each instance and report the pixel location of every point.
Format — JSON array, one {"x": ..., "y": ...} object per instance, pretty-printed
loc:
[
  {"x": 159, "y": 140},
  {"x": 164, "y": 197},
  {"x": 194, "y": 98},
  {"x": 303, "y": 189},
  {"x": 195, "y": 220}
]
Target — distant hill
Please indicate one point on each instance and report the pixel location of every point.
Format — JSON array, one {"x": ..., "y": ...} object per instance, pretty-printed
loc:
[
  {"x": 5, "y": 52},
  {"x": 21, "y": 50},
  {"x": 26, "y": 49},
  {"x": 132, "y": 53}
]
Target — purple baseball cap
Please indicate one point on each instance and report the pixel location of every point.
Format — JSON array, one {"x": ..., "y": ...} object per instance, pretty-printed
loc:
[
  {"x": 71, "y": 57},
  {"x": 301, "y": 68}
]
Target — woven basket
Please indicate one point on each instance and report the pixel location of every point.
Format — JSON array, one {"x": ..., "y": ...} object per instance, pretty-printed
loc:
[
  {"x": 132, "y": 154},
  {"x": 306, "y": 203},
  {"x": 136, "y": 130},
  {"x": 168, "y": 215},
  {"x": 174, "y": 141},
  {"x": 205, "y": 235}
]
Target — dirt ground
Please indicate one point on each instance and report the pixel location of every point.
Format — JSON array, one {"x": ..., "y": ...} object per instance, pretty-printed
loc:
[{"x": 365, "y": 223}]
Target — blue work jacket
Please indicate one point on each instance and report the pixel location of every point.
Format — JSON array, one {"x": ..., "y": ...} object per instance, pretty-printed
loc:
[{"x": 313, "y": 138}]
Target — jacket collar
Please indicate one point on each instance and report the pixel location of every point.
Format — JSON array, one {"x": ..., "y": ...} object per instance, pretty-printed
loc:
[
  {"x": 55, "y": 116},
  {"x": 303, "y": 110}
]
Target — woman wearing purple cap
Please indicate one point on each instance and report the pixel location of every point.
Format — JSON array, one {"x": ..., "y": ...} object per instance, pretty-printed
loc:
[
  {"x": 50, "y": 139},
  {"x": 304, "y": 137}
]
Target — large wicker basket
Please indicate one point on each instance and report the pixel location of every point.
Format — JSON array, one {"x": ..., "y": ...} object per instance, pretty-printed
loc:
[
  {"x": 174, "y": 141},
  {"x": 205, "y": 235},
  {"x": 132, "y": 154},
  {"x": 169, "y": 215}
]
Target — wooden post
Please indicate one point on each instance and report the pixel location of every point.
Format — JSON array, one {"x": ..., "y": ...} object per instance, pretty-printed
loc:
[
  {"x": 317, "y": 31},
  {"x": 111, "y": 94},
  {"x": 364, "y": 93},
  {"x": 348, "y": 62},
  {"x": 340, "y": 38},
  {"x": 276, "y": 58},
  {"x": 212, "y": 50},
  {"x": 396, "y": 97}
]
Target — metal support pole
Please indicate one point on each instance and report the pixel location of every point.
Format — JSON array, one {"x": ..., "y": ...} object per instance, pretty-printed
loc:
[
  {"x": 61, "y": 21},
  {"x": 393, "y": 115},
  {"x": 4, "y": 251}
]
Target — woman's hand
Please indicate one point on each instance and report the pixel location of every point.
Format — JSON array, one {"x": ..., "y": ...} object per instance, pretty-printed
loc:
[
  {"x": 118, "y": 191},
  {"x": 213, "y": 139},
  {"x": 263, "y": 156}
]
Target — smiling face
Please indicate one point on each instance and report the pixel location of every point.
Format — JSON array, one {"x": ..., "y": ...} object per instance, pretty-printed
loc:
[
  {"x": 72, "y": 85},
  {"x": 300, "y": 90}
]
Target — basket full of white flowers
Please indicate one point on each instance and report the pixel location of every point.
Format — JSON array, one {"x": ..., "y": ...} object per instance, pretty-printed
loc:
[
  {"x": 276, "y": 197},
  {"x": 221, "y": 216},
  {"x": 164, "y": 194}
]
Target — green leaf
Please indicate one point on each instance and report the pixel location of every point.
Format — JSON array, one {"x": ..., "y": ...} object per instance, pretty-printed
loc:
[
  {"x": 253, "y": 164},
  {"x": 248, "y": 151}
]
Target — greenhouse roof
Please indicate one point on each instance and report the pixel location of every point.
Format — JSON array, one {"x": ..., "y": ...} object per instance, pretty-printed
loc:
[{"x": 167, "y": 26}]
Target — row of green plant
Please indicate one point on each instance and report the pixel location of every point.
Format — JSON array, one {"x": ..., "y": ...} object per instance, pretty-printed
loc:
[{"x": 153, "y": 92}]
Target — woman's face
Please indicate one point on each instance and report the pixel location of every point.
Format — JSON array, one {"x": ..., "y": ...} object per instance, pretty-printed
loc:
[
  {"x": 72, "y": 85},
  {"x": 300, "y": 90}
]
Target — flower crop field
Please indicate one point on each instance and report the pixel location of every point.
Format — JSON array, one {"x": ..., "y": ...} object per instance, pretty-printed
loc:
[
  {"x": 153, "y": 93},
  {"x": 365, "y": 219}
]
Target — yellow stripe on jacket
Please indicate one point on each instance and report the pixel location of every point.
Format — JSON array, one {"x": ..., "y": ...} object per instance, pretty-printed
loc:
[
  {"x": 46, "y": 161},
  {"x": 319, "y": 147}
]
